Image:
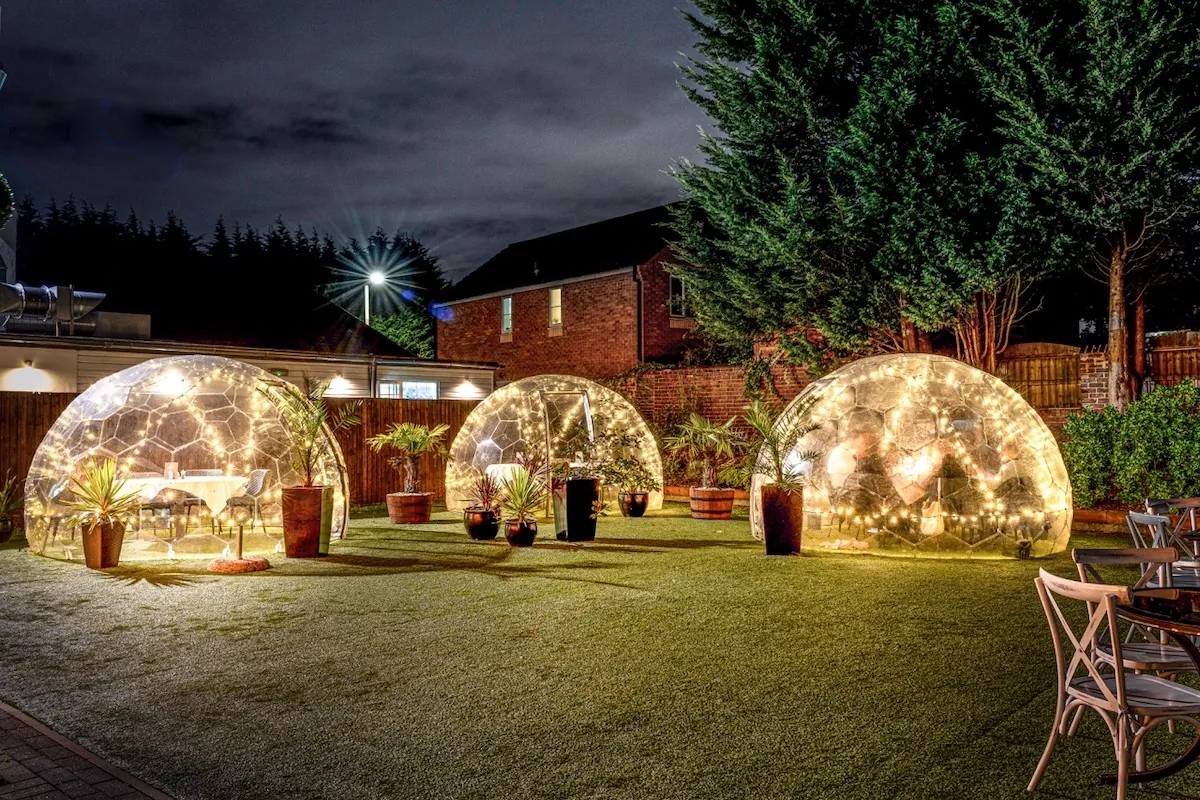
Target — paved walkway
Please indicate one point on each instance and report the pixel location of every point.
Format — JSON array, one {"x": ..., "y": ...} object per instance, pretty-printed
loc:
[{"x": 36, "y": 762}]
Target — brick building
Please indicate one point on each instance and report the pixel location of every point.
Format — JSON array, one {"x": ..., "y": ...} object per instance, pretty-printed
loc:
[{"x": 592, "y": 301}]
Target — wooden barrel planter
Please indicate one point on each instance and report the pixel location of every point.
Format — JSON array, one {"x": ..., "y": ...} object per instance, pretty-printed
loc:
[
  {"x": 711, "y": 503},
  {"x": 408, "y": 509}
]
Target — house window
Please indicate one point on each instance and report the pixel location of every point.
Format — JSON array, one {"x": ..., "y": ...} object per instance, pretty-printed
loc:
[
  {"x": 556, "y": 306},
  {"x": 679, "y": 305},
  {"x": 420, "y": 390},
  {"x": 506, "y": 314},
  {"x": 389, "y": 390}
]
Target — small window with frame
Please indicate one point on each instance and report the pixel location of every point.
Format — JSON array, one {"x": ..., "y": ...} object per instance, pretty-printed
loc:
[
  {"x": 679, "y": 304},
  {"x": 506, "y": 314},
  {"x": 556, "y": 307}
]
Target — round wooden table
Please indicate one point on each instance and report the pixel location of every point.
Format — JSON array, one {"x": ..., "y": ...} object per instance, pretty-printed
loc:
[{"x": 1177, "y": 612}]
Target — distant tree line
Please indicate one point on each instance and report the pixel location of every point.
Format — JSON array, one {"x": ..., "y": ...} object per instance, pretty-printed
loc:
[
  {"x": 237, "y": 278},
  {"x": 886, "y": 172}
]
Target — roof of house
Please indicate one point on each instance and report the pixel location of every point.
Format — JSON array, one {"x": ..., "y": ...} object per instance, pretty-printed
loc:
[{"x": 603, "y": 246}]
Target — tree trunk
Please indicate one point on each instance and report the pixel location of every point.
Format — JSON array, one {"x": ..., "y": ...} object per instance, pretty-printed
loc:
[
  {"x": 410, "y": 474},
  {"x": 1118, "y": 334},
  {"x": 908, "y": 336},
  {"x": 1138, "y": 373}
]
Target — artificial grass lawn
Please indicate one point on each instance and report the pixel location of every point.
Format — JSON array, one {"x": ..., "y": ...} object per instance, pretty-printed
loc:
[{"x": 668, "y": 659}]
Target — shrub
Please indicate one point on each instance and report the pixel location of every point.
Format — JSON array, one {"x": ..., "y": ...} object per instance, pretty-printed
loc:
[
  {"x": 1150, "y": 450},
  {"x": 1088, "y": 453}
]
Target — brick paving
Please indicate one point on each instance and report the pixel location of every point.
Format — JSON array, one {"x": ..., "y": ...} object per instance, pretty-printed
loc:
[{"x": 36, "y": 762}]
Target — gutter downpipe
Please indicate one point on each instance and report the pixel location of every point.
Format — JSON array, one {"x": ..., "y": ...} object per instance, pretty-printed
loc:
[{"x": 641, "y": 290}]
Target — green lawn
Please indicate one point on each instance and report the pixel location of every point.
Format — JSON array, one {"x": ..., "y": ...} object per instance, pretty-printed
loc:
[{"x": 668, "y": 659}]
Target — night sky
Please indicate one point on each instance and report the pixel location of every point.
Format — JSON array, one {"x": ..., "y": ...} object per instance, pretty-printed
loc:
[{"x": 471, "y": 122}]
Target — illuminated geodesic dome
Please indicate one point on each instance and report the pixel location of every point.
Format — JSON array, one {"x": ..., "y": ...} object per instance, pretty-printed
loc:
[
  {"x": 534, "y": 418},
  {"x": 203, "y": 442},
  {"x": 924, "y": 455}
]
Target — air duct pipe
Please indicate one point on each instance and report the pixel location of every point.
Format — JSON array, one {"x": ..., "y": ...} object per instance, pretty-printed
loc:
[{"x": 43, "y": 308}]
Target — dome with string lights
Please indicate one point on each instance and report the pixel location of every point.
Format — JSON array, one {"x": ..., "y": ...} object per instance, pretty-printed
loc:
[
  {"x": 919, "y": 454},
  {"x": 201, "y": 442},
  {"x": 532, "y": 421}
]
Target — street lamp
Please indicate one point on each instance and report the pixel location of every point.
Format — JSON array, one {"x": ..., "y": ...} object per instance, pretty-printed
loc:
[{"x": 378, "y": 279}]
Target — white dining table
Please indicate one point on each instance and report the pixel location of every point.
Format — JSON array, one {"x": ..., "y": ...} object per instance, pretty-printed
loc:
[{"x": 215, "y": 491}]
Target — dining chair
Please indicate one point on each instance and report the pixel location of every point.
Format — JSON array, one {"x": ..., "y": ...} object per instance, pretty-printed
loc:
[
  {"x": 154, "y": 504},
  {"x": 191, "y": 501},
  {"x": 1130, "y": 704},
  {"x": 1163, "y": 508},
  {"x": 256, "y": 487},
  {"x": 1154, "y": 530}
]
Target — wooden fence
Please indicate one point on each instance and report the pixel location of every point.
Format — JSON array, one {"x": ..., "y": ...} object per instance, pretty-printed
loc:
[
  {"x": 1046, "y": 375},
  {"x": 25, "y": 417}
]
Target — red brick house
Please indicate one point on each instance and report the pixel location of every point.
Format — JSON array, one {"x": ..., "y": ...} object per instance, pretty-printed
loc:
[{"x": 592, "y": 301}]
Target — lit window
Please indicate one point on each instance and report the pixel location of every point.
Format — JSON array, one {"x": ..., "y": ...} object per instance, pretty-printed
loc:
[
  {"x": 389, "y": 390},
  {"x": 556, "y": 306},
  {"x": 420, "y": 390},
  {"x": 679, "y": 305},
  {"x": 506, "y": 314}
]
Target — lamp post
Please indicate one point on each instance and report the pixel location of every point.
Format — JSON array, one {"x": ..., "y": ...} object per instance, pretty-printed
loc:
[{"x": 378, "y": 279}]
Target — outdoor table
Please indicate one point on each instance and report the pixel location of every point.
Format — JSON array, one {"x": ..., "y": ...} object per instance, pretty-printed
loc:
[
  {"x": 1176, "y": 612},
  {"x": 215, "y": 491}
]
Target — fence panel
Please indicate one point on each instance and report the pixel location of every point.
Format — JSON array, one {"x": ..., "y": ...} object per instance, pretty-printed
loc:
[
  {"x": 24, "y": 420},
  {"x": 1172, "y": 365},
  {"x": 1045, "y": 380}
]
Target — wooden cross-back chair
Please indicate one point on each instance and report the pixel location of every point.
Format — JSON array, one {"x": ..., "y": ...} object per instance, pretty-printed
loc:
[
  {"x": 1130, "y": 704},
  {"x": 1151, "y": 531}
]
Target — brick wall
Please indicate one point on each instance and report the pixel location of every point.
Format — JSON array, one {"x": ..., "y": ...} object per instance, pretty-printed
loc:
[
  {"x": 663, "y": 338},
  {"x": 1093, "y": 379},
  {"x": 598, "y": 337}
]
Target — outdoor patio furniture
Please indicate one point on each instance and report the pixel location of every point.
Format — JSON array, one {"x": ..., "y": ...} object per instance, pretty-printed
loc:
[
  {"x": 192, "y": 501},
  {"x": 1130, "y": 704},
  {"x": 1186, "y": 525},
  {"x": 154, "y": 504},
  {"x": 255, "y": 489},
  {"x": 1154, "y": 531}
]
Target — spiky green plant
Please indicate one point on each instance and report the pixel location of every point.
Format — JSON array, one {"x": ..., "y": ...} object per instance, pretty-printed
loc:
[
  {"x": 410, "y": 441},
  {"x": 712, "y": 445},
  {"x": 309, "y": 420},
  {"x": 521, "y": 496},
  {"x": 10, "y": 496},
  {"x": 777, "y": 440},
  {"x": 100, "y": 496}
]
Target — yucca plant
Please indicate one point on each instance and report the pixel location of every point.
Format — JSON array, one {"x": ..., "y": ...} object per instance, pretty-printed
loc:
[
  {"x": 713, "y": 445},
  {"x": 521, "y": 496},
  {"x": 307, "y": 416},
  {"x": 10, "y": 497},
  {"x": 486, "y": 491},
  {"x": 411, "y": 441},
  {"x": 100, "y": 497},
  {"x": 776, "y": 458}
]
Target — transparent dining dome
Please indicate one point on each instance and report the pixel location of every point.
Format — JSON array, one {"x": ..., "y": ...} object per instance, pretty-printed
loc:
[
  {"x": 921, "y": 454},
  {"x": 200, "y": 440},
  {"x": 532, "y": 420}
]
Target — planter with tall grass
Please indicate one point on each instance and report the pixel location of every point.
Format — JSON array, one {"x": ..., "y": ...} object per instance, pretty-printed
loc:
[
  {"x": 521, "y": 495},
  {"x": 102, "y": 504}
]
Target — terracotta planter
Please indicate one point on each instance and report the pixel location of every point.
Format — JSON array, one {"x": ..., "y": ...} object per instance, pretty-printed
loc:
[
  {"x": 582, "y": 493},
  {"x": 711, "y": 503},
  {"x": 520, "y": 532},
  {"x": 633, "y": 504},
  {"x": 102, "y": 545},
  {"x": 6, "y": 529},
  {"x": 409, "y": 509},
  {"x": 481, "y": 523},
  {"x": 783, "y": 520},
  {"x": 304, "y": 516}
]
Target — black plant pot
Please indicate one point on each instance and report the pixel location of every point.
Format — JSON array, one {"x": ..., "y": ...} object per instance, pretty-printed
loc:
[
  {"x": 520, "y": 532},
  {"x": 582, "y": 494},
  {"x": 782, "y": 520},
  {"x": 481, "y": 523},
  {"x": 633, "y": 504},
  {"x": 6, "y": 529}
]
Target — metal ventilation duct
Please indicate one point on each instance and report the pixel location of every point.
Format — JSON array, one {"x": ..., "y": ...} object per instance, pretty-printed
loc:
[{"x": 42, "y": 308}]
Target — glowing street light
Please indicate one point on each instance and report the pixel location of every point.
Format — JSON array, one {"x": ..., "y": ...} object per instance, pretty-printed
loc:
[{"x": 376, "y": 278}]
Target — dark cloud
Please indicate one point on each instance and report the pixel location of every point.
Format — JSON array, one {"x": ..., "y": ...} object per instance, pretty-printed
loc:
[{"x": 473, "y": 123}]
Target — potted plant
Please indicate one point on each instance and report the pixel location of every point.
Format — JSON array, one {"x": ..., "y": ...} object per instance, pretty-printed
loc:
[
  {"x": 634, "y": 483},
  {"x": 10, "y": 501},
  {"x": 482, "y": 519},
  {"x": 521, "y": 494},
  {"x": 308, "y": 508},
  {"x": 410, "y": 441},
  {"x": 713, "y": 446},
  {"x": 102, "y": 505},
  {"x": 784, "y": 472},
  {"x": 581, "y": 478}
]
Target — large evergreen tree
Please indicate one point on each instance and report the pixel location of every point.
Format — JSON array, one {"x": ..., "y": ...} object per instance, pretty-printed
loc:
[{"x": 1101, "y": 105}]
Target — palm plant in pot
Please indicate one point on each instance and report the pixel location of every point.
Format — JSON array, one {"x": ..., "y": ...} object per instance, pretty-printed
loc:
[
  {"x": 713, "y": 446},
  {"x": 10, "y": 501},
  {"x": 308, "y": 508},
  {"x": 482, "y": 518},
  {"x": 634, "y": 483},
  {"x": 521, "y": 495},
  {"x": 784, "y": 473},
  {"x": 410, "y": 441},
  {"x": 101, "y": 505}
]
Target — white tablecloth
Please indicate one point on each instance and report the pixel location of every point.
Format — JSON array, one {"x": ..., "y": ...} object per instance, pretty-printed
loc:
[{"x": 215, "y": 491}]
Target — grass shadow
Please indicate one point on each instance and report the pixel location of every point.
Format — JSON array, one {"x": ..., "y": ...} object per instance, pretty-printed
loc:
[{"x": 131, "y": 576}]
